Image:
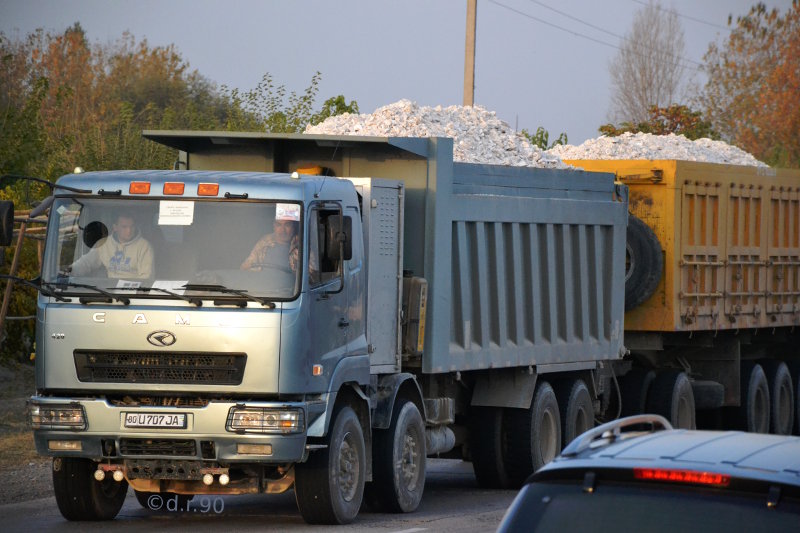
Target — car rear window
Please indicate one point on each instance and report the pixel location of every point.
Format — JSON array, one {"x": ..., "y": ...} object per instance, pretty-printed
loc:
[{"x": 554, "y": 506}]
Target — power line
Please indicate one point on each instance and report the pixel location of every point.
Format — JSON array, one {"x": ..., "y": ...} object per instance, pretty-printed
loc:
[
  {"x": 701, "y": 21},
  {"x": 576, "y": 19},
  {"x": 578, "y": 34}
]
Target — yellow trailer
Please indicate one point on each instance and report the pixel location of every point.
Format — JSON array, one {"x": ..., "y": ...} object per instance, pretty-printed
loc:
[{"x": 728, "y": 297}]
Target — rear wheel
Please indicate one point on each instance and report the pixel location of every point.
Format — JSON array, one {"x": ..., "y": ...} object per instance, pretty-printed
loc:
[
  {"x": 634, "y": 388},
  {"x": 781, "y": 396},
  {"x": 533, "y": 435},
  {"x": 671, "y": 397},
  {"x": 80, "y": 496},
  {"x": 329, "y": 486},
  {"x": 753, "y": 414},
  {"x": 576, "y": 408},
  {"x": 487, "y": 447},
  {"x": 398, "y": 474},
  {"x": 794, "y": 367}
]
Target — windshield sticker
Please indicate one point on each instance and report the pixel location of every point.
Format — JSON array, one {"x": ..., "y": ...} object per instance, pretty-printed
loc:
[
  {"x": 287, "y": 212},
  {"x": 175, "y": 213},
  {"x": 125, "y": 284},
  {"x": 171, "y": 285}
]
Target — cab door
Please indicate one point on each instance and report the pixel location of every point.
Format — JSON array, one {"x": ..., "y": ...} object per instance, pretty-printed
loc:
[{"x": 329, "y": 297}]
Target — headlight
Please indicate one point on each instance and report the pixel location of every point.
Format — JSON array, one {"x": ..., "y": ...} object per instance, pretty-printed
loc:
[
  {"x": 57, "y": 417},
  {"x": 265, "y": 420}
]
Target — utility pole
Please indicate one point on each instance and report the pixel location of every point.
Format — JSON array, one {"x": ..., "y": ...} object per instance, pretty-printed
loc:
[{"x": 469, "y": 54}]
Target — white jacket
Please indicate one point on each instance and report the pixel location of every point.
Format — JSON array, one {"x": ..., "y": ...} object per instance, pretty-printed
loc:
[{"x": 133, "y": 259}]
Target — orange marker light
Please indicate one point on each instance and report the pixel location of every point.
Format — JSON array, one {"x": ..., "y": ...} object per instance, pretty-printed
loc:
[
  {"x": 207, "y": 189},
  {"x": 172, "y": 187},
  {"x": 316, "y": 370},
  {"x": 139, "y": 187}
]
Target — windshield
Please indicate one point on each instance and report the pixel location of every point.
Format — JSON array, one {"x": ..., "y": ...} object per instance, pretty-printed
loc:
[{"x": 157, "y": 247}]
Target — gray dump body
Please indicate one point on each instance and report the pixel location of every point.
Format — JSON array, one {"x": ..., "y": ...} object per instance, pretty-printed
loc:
[{"x": 525, "y": 266}]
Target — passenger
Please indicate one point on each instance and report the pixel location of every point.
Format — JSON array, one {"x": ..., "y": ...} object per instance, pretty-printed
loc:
[
  {"x": 279, "y": 249},
  {"x": 125, "y": 254}
]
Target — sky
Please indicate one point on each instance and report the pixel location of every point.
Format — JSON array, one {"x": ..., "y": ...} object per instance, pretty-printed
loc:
[{"x": 534, "y": 66}]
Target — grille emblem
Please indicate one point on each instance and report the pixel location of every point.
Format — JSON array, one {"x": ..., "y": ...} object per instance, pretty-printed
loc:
[{"x": 161, "y": 338}]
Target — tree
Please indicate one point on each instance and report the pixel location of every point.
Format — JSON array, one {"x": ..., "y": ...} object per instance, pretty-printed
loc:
[
  {"x": 266, "y": 107},
  {"x": 752, "y": 96},
  {"x": 677, "y": 119},
  {"x": 648, "y": 69},
  {"x": 542, "y": 138}
]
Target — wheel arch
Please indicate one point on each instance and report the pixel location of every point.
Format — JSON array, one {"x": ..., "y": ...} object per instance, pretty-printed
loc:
[{"x": 391, "y": 387}]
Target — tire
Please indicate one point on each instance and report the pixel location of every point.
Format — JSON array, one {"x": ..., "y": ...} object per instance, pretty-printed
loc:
[
  {"x": 576, "y": 408},
  {"x": 183, "y": 500},
  {"x": 487, "y": 447},
  {"x": 634, "y": 388},
  {"x": 643, "y": 263},
  {"x": 79, "y": 496},
  {"x": 329, "y": 487},
  {"x": 781, "y": 396},
  {"x": 533, "y": 436},
  {"x": 398, "y": 462},
  {"x": 794, "y": 367},
  {"x": 671, "y": 396},
  {"x": 753, "y": 414},
  {"x": 6, "y": 222}
]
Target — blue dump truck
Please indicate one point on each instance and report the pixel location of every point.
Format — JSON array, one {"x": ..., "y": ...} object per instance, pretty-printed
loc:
[{"x": 321, "y": 313}]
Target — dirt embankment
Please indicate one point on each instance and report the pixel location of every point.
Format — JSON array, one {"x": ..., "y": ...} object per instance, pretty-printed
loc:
[{"x": 24, "y": 475}]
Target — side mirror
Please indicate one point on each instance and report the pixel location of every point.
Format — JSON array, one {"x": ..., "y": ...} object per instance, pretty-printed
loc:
[
  {"x": 6, "y": 222},
  {"x": 339, "y": 238}
]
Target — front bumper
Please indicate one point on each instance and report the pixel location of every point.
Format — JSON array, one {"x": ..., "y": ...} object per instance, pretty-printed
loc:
[{"x": 204, "y": 437}]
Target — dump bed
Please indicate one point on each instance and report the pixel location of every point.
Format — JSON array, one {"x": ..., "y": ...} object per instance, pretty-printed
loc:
[
  {"x": 730, "y": 236},
  {"x": 525, "y": 266}
]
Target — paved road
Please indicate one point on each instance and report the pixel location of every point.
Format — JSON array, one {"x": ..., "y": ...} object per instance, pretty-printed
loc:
[{"x": 452, "y": 502}]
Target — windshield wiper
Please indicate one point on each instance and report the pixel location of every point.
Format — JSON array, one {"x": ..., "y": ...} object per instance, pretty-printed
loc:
[
  {"x": 195, "y": 301},
  {"x": 226, "y": 290},
  {"x": 64, "y": 284},
  {"x": 37, "y": 286}
]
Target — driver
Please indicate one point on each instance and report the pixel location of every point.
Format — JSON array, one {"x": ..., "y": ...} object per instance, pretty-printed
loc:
[
  {"x": 279, "y": 249},
  {"x": 125, "y": 254}
]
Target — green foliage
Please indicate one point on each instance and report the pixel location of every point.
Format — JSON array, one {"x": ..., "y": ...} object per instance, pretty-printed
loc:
[
  {"x": 541, "y": 138},
  {"x": 267, "y": 107},
  {"x": 677, "y": 119},
  {"x": 336, "y": 105}
]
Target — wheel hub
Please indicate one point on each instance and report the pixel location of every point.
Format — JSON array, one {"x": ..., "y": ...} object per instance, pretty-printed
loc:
[
  {"x": 348, "y": 469},
  {"x": 408, "y": 461}
]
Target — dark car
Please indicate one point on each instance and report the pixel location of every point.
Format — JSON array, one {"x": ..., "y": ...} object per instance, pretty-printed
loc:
[{"x": 639, "y": 474}]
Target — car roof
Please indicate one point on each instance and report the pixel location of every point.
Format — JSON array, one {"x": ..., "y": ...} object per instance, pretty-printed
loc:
[{"x": 774, "y": 458}]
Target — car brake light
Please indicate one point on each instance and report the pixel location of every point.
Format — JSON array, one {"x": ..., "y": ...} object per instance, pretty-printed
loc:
[{"x": 682, "y": 476}]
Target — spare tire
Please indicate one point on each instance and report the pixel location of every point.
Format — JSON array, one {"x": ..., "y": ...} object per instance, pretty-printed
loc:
[{"x": 643, "y": 263}]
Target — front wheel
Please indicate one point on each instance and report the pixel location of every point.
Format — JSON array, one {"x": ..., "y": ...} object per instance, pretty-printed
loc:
[
  {"x": 79, "y": 496},
  {"x": 329, "y": 486},
  {"x": 399, "y": 462}
]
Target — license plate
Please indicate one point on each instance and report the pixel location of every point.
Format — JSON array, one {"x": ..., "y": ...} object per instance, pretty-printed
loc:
[{"x": 155, "y": 420}]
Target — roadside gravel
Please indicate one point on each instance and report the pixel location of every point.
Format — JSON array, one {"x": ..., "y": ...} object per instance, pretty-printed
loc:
[{"x": 24, "y": 474}]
